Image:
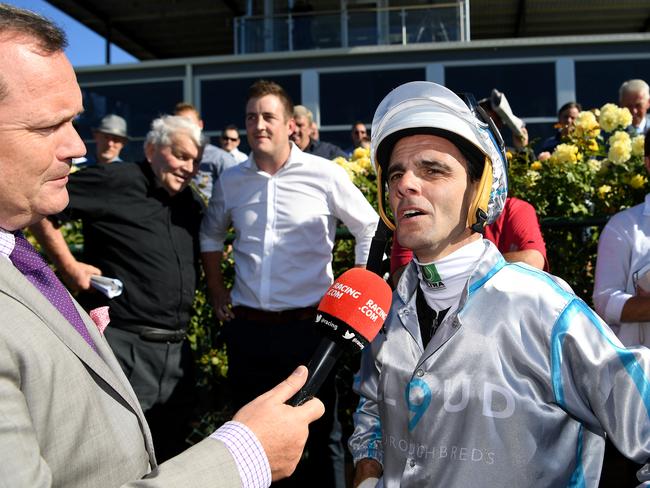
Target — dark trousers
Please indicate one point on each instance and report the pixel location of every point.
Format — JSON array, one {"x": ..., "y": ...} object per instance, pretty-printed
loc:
[
  {"x": 259, "y": 357},
  {"x": 162, "y": 376}
]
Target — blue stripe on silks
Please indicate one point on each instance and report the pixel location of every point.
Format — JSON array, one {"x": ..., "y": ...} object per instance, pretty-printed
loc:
[
  {"x": 560, "y": 330},
  {"x": 578, "y": 476},
  {"x": 476, "y": 285},
  {"x": 628, "y": 359}
]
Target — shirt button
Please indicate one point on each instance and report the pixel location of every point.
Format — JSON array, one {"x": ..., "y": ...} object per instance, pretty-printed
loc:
[
  {"x": 419, "y": 373},
  {"x": 406, "y": 312},
  {"x": 412, "y": 463}
]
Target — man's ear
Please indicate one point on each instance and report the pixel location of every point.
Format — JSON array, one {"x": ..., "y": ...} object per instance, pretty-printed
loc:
[{"x": 149, "y": 150}]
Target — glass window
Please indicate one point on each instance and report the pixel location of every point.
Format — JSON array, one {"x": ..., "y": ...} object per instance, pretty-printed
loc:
[
  {"x": 138, "y": 103},
  {"x": 346, "y": 97},
  {"x": 223, "y": 102},
  {"x": 530, "y": 88},
  {"x": 597, "y": 82}
]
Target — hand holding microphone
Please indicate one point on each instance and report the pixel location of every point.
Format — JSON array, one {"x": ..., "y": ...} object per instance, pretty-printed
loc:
[{"x": 350, "y": 315}]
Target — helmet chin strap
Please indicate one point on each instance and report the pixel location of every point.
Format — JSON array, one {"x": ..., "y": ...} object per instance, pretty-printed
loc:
[{"x": 477, "y": 215}]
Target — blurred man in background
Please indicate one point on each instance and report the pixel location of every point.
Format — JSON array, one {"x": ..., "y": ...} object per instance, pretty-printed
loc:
[
  {"x": 302, "y": 136},
  {"x": 230, "y": 143}
]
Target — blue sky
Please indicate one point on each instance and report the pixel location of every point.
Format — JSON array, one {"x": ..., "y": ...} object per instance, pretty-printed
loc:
[{"x": 85, "y": 47}]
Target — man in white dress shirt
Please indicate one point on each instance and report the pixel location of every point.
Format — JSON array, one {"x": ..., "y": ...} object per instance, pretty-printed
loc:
[{"x": 283, "y": 205}]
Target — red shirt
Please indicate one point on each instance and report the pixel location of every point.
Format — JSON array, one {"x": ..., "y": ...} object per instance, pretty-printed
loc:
[{"x": 516, "y": 229}]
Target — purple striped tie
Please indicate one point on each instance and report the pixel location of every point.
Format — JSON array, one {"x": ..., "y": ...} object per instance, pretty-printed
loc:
[{"x": 30, "y": 263}]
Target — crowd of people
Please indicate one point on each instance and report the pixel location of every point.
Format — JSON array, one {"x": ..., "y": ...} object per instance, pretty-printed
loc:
[{"x": 489, "y": 370}]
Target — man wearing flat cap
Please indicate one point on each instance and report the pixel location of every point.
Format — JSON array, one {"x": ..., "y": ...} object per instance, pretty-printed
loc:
[
  {"x": 110, "y": 138},
  {"x": 487, "y": 373}
]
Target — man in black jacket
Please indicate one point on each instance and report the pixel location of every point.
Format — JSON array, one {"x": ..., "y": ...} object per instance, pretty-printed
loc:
[{"x": 140, "y": 225}]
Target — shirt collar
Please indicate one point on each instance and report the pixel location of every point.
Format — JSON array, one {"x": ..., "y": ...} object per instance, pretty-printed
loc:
[
  {"x": 7, "y": 243},
  {"x": 295, "y": 159}
]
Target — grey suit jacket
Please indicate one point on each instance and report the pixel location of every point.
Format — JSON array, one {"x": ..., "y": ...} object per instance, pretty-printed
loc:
[{"x": 68, "y": 416}]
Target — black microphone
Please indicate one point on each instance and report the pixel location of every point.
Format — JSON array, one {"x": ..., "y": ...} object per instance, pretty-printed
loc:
[{"x": 350, "y": 316}]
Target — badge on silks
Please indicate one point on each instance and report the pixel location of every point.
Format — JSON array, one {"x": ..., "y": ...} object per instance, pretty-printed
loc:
[{"x": 431, "y": 276}]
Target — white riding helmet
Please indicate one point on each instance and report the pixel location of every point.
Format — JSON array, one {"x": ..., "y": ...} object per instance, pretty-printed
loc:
[{"x": 422, "y": 107}]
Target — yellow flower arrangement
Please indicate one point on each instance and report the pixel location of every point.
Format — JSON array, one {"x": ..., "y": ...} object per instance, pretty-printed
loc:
[{"x": 598, "y": 169}]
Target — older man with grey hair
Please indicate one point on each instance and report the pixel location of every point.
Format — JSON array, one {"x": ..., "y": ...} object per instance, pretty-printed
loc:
[{"x": 635, "y": 96}]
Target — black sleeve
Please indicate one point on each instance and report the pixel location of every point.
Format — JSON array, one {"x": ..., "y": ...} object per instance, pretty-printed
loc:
[{"x": 90, "y": 191}]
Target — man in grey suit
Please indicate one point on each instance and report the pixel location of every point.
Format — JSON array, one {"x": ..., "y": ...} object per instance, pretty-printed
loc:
[{"x": 68, "y": 416}]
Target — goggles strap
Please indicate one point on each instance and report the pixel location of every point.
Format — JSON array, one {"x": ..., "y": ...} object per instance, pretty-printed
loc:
[{"x": 381, "y": 200}]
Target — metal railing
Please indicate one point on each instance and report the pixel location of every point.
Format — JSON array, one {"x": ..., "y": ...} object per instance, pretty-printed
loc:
[{"x": 352, "y": 27}]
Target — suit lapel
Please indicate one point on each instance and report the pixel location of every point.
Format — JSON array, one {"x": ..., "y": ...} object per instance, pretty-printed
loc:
[{"x": 103, "y": 362}]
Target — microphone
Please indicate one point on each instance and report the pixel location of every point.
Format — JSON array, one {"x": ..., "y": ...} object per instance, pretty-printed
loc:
[{"x": 350, "y": 316}]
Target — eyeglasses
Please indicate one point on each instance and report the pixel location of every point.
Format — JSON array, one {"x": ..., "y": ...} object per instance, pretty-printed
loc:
[
  {"x": 231, "y": 139},
  {"x": 359, "y": 131}
]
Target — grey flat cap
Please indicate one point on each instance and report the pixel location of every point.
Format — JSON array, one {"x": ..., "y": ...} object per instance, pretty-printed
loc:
[{"x": 114, "y": 125}]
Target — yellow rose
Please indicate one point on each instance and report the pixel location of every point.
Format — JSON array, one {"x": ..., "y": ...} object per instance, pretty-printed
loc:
[
  {"x": 603, "y": 191},
  {"x": 509, "y": 155},
  {"x": 620, "y": 136},
  {"x": 361, "y": 152},
  {"x": 619, "y": 152},
  {"x": 536, "y": 166},
  {"x": 608, "y": 117},
  {"x": 363, "y": 163},
  {"x": 638, "y": 145},
  {"x": 565, "y": 153},
  {"x": 594, "y": 165},
  {"x": 586, "y": 125},
  {"x": 624, "y": 117},
  {"x": 638, "y": 181}
]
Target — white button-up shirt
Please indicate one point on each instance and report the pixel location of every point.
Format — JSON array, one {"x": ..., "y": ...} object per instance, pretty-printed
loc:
[
  {"x": 623, "y": 249},
  {"x": 285, "y": 227}
]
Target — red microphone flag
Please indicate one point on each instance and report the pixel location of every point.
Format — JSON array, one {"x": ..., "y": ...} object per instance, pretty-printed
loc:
[{"x": 359, "y": 299}]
